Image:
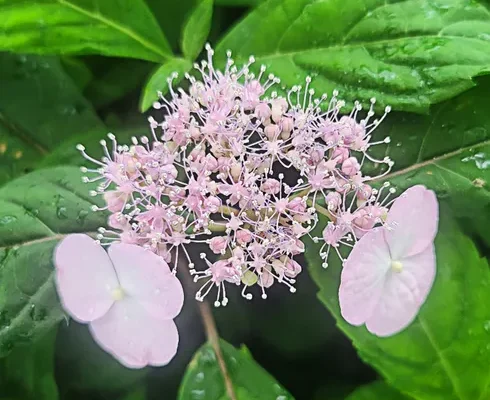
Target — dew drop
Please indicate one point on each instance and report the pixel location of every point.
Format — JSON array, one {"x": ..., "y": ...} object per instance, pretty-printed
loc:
[
  {"x": 199, "y": 377},
  {"x": 7, "y": 219}
]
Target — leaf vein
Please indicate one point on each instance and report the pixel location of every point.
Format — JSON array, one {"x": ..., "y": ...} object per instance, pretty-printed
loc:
[{"x": 113, "y": 24}]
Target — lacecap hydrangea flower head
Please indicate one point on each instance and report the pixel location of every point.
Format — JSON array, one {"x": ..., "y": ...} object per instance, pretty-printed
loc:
[{"x": 234, "y": 166}]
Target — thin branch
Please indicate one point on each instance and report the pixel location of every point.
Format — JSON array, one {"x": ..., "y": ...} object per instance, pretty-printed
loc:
[
  {"x": 432, "y": 161},
  {"x": 213, "y": 338}
]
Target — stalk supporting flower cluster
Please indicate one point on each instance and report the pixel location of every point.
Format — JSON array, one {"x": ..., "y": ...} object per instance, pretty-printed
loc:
[{"x": 236, "y": 166}]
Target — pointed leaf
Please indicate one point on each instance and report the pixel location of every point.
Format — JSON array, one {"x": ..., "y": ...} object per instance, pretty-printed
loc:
[
  {"x": 248, "y": 379},
  {"x": 40, "y": 107},
  {"x": 406, "y": 53},
  {"x": 196, "y": 29},
  {"x": 123, "y": 28},
  {"x": 376, "y": 391},
  {"x": 36, "y": 211}
]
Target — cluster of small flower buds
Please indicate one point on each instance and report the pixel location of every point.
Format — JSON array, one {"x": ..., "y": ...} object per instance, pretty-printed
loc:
[{"x": 242, "y": 170}]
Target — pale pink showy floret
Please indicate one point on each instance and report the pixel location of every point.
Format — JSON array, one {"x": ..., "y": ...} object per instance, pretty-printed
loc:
[
  {"x": 128, "y": 297},
  {"x": 390, "y": 271}
]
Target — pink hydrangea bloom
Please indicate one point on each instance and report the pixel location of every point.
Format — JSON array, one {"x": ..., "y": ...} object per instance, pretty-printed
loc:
[
  {"x": 214, "y": 165},
  {"x": 128, "y": 297},
  {"x": 390, "y": 271}
]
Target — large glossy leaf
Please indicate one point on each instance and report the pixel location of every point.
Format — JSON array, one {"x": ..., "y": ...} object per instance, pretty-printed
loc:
[
  {"x": 124, "y": 28},
  {"x": 40, "y": 107},
  {"x": 249, "y": 381},
  {"x": 28, "y": 372},
  {"x": 445, "y": 353},
  {"x": 196, "y": 29},
  {"x": 238, "y": 3},
  {"x": 448, "y": 151},
  {"x": 406, "y": 53},
  {"x": 36, "y": 211},
  {"x": 376, "y": 391}
]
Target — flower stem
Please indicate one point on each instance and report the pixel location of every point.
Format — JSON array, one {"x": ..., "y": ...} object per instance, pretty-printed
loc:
[{"x": 213, "y": 338}]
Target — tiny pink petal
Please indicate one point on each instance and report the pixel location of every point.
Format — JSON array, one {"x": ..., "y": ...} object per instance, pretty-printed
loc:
[
  {"x": 134, "y": 337},
  {"x": 403, "y": 294},
  {"x": 414, "y": 218},
  {"x": 146, "y": 278},
  {"x": 85, "y": 277},
  {"x": 363, "y": 277}
]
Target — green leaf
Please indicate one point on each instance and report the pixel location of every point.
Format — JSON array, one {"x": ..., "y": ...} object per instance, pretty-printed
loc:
[
  {"x": 238, "y": 3},
  {"x": 36, "y": 211},
  {"x": 158, "y": 80},
  {"x": 78, "y": 71},
  {"x": 248, "y": 379},
  {"x": 28, "y": 372},
  {"x": 376, "y": 391},
  {"x": 40, "y": 106},
  {"x": 445, "y": 353},
  {"x": 123, "y": 28},
  {"x": 171, "y": 16},
  {"x": 448, "y": 151},
  {"x": 406, "y": 53},
  {"x": 196, "y": 29},
  {"x": 117, "y": 81}
]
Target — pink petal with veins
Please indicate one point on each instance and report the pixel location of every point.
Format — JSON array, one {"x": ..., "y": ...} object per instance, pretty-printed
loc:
[
  {"x": 85, "y": 277},
  {"x": 414, "y": 218},
  {"x": 134, "y": 337}
]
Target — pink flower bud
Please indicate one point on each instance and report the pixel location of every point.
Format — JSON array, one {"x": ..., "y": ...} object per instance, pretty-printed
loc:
[
  {"x": 286, "y": 124},
  {"x": 243, "y": 236},
  {"x": 235, "y": 171},
  {"x": 218, "y": 244},
  {"x": 364, "y": 192},
  {"x": 350, "y": 166},
  {"x": 333, "y": 200},
  {"x": 292, "y": 268},
  {"x": 212, "y": 204},
  {"x": 272, "y": 131},
  {"x": 279, "y": 107},
  {"x": 266, "y": 279},
  {"x": 316, "y": 155},
  {"x": 263, "y": 111},
  {"x": 168, "y": 172},
  {"x": 194, "y": 132},
  {"x": 271, "y": 186},
  {"x": 363, "y": 222},
  {"x": 340, "y": 154},
  {"x": 297, "y": 205}
]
